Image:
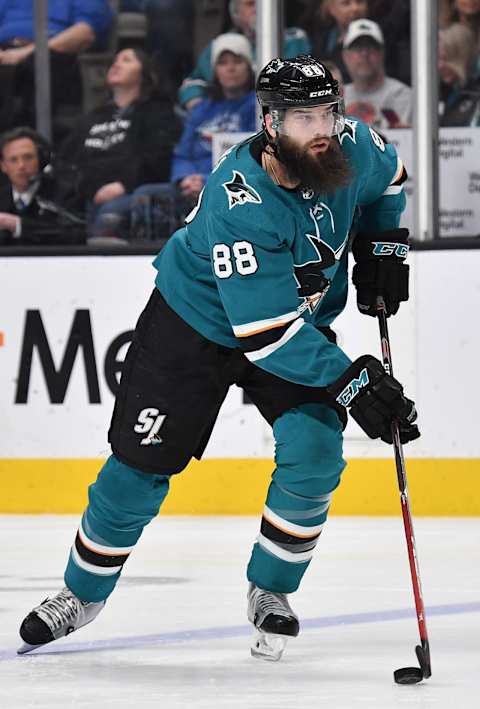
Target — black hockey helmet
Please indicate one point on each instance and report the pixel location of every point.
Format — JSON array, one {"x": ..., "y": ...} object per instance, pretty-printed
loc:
[{"x": 301, "y": 81}]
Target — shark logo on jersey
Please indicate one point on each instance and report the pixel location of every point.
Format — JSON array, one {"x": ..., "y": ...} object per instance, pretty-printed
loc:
[
  {"x": 239, "y": 191},
  {"x": 312, "y": 283},
  {"x": 312, "y": 286},
  {"x": 327, "y": 256},
  {"x": 349, "y": 131}
]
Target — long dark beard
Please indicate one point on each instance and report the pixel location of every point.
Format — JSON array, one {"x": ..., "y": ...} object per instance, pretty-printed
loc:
[{"x": 324, "y": 172}]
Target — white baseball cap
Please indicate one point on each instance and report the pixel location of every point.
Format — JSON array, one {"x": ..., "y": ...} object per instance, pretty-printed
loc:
[
  {"x": 362, "y": 28},
  {"x": 231, "y": 42}
]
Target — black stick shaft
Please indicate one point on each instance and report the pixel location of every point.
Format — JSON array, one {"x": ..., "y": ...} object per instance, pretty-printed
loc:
[{"x": 405, "y": 504}]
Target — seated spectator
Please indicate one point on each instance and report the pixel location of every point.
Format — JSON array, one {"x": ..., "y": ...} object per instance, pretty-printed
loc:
[
  {"x": 459, "y": 95},
  {"x": 230, "y": 107},
  {"x": 243, "y": 15},
  {"x": 125, "y": 143},
  {"x": 73, "y": 27},
  {"x": 35, "y": 206},
  {"x": 465, "y": 12},
  {"x": 326, "y": 22},
  {"x": 379, "y": 100}
]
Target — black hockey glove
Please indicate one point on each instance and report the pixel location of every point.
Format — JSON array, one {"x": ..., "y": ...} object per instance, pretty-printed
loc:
[
  {"x": 379, "y": 270},
  {"x": 375, "y": 399}
]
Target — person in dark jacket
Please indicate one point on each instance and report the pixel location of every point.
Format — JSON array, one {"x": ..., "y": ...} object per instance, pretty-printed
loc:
[
  {"x": 125, "y": 143},
  {"x": 36, "y": 206}
]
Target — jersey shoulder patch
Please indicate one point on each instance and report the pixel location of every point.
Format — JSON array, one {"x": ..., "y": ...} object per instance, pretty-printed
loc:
[
  {"x": 239, "y": 192},
  {"x": 360, "y": 139},
  {"x": 349, "y": 131}
]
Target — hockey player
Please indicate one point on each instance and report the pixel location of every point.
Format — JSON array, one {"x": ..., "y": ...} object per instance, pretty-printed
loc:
[{"x": 246, "y": 293}]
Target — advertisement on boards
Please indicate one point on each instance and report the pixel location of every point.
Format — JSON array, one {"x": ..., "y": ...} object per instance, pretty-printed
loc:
[{"x": 64, "y": 337}]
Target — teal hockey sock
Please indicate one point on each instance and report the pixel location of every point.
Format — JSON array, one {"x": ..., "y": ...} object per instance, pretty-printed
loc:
[
  {"x": 122, "y": 502},
  {"x": 309, "y": 465}
]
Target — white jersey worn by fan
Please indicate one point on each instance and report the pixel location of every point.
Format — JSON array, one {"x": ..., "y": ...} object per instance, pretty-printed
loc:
[{"x": 389, "y": 106}]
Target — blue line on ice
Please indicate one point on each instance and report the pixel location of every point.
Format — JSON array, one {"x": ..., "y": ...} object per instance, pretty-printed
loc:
[{"x": 186, "y": 636}]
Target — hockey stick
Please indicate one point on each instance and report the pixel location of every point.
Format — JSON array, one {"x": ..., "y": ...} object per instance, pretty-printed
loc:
[{"x": 406, "y": 675}]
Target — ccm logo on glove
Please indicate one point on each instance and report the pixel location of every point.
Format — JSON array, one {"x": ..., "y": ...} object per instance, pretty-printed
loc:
[
  {"x": 389, "y": 248},
  {"x": 351, "y": 390},
  {"x": 380, "y": 271},
  {"x": 375, "y": 399}
]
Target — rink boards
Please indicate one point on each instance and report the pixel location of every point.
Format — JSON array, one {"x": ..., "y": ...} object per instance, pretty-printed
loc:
[{"x": 65, "y": 324}]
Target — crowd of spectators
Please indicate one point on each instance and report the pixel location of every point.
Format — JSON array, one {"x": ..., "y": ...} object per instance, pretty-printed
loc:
[{"x": 134, "y": 166}]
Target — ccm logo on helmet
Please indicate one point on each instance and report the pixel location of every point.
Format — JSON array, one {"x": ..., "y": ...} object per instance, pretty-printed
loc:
[{"x": 316, "y": 94}]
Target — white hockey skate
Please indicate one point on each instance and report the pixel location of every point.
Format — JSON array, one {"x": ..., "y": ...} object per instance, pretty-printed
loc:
[
  {"x": 55, "y": 618},
  {"x": 274, "y": 622}
]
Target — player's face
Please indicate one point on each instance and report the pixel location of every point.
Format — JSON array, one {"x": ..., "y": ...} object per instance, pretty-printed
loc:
[
  {"x": 310, "y": 126},
  {"x": 345, "y": 11},
  {"x": 126, "y": 70},
  {"x": 20, "y": 162},
  {"x": 323, "y": 169}
]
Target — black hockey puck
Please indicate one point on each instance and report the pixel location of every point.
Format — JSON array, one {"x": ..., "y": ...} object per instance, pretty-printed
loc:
[{"x": 408, "y": 675}]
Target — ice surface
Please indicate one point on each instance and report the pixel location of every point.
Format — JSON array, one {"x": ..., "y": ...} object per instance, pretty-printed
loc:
[{"x": 174, "y": 634}]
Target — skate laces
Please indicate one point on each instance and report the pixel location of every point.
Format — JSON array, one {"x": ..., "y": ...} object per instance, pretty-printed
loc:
[
  {"x": 61, "y": 610},
  {"x": 269, "y": 602}
]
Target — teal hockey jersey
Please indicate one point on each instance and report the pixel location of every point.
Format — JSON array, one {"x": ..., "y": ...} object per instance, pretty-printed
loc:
[{"x": 248, "y": 269}]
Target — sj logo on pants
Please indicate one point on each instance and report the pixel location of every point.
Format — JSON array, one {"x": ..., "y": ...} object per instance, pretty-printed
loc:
[{"x": 150, "y": 421}]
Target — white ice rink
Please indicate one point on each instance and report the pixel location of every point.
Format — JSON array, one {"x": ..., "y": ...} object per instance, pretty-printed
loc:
[{"x": 174, "y": 634}]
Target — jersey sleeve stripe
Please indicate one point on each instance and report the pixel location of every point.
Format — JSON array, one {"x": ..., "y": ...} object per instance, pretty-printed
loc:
[
  {"x": 257, "y": 326},
  {"x": 396, "y": 185},
  {"x": 393, "y": 189},
  {"x": 399, "y": 171},
  {"x": 262, "y": 339},
  {"x": 274, "y": 346}
]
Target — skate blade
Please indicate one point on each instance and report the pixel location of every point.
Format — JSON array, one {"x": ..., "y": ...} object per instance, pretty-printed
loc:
[
  {"x": 28, "y": 648},
  {"x": 267, "y": 646}
]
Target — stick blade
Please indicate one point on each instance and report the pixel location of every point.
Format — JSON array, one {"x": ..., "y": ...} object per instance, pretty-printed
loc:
[{"x": 423, "y": 657}]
